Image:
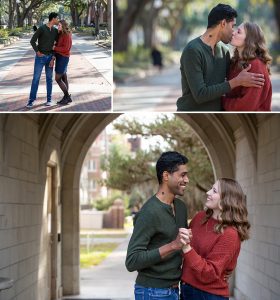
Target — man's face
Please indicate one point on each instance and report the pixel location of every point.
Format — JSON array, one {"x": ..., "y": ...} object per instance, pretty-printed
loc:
[
  {"x": 177, "y": 181},
  {"x": 56, "y": 21},
  {"x": 227, "y": 30}
]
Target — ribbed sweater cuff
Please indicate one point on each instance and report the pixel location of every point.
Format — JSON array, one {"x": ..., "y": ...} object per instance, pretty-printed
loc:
[{"x": 192, "y": 258}]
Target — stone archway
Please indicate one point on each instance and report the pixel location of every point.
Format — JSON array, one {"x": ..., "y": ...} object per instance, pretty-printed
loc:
[{"x": 219, "y": 134}]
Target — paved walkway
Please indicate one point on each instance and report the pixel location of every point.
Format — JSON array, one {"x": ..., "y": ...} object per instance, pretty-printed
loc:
[
  {"x": 110, "y": 279},
  {"x": 158, "y": 92},
  {"x": 89, "y": 71}
]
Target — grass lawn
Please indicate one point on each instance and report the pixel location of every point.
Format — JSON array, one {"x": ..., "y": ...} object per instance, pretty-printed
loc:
[{"x": 96, "y": 254}]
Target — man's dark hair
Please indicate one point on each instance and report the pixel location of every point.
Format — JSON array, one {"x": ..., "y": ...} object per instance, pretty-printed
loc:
[
  {"x": 169, "y": 161},
  {"x": 219, "y": 13},
  {"x": 52, "y": 15}
]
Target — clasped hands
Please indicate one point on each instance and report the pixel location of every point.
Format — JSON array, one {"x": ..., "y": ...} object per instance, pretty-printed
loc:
[{"x": 183, "y": 240}]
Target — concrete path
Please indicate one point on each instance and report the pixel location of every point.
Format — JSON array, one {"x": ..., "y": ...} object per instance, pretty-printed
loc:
[
  {"x": 158, "y": 92},
  {"x": 110, "y": 279},
  {"x": 89, "y": 72},
  {"x": 161, "y": 91}
]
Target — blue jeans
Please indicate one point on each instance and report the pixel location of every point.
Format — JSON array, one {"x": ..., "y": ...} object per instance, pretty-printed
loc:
[
  {"x": 144, "y": 293},
  {"x": 189, "y": 292},
  {"x": 41, "y": 62}
]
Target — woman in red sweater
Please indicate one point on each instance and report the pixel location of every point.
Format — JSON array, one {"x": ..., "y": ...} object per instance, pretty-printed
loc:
[
  {"x": 216, "y": 237},
  {"x": 62, "y": 54},
  {"x": 250, "y": 50}
]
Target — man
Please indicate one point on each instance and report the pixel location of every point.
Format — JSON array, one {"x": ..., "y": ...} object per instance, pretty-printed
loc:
[
  {"x": 205, "y": 63},
  {"x": 46, "y": 35},
  {"x": 160, "y": 232}
]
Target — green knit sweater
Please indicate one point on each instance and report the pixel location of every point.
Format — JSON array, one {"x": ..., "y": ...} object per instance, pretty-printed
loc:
[
  {"x": 203, "y": 76},
  {"x": 155, "y": 226},
  {"x": 45, "y": 38}
]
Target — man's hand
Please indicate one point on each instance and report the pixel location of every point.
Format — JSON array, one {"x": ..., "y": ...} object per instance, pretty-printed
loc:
[
  {"x": 247, "y": 79},
  {"x": 40, "y": 54},
  {"x": 183, "y": 238},
  {"x": 227, "y": 276}
]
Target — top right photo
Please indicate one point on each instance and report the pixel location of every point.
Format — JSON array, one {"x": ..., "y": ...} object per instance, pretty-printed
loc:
[{"x": 189, "y": 56}]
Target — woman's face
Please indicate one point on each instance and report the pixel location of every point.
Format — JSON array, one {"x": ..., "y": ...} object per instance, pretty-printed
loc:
[
  {"x": 59, "y": 27},
  {"x": 213, "y": 197},
  {"x": 238, "y": 37}
]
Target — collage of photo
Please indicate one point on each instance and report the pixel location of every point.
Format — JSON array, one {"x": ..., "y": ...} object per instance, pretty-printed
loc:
[{"x": 139, "y": 150}]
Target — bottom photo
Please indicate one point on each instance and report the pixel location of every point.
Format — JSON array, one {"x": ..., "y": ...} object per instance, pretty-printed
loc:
[{"x": 108, "y": 206}]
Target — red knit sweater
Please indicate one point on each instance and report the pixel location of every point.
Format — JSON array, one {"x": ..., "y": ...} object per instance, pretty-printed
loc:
[
  {"x": 249, "y": 99},
  {"x": 64, "y": 44},
  {"x": 212, "y": 256}
]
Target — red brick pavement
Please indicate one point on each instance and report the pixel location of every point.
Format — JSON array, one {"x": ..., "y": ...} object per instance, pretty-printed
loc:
[{"x": 80, "y": 72}]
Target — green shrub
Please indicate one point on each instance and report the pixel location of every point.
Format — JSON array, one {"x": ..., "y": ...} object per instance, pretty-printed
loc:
[
  {"x": 16, "y": 32},
  {"x": 4, "y": 34}
]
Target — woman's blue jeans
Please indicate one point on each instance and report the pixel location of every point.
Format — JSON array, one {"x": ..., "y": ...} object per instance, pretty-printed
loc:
[
  {"x": 40, "y": 62},
  {"x": 144, "y": 293},
  {"x": 190, "y": 293}
]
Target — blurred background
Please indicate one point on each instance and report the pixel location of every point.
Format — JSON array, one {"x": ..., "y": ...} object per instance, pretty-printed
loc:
[{"x": 149, "y": 36}]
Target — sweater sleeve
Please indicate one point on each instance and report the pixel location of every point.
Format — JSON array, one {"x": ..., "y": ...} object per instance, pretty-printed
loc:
[
  {"x": 209, "y": 269},
  {"x": 34, "y": 39},
  {"x": 251, "y": 96},
  {"x": 191, "y": 64},
  {"x": 138, "y": 255}
]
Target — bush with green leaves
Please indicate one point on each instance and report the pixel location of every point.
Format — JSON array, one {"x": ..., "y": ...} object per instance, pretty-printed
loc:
[
  {"x": 16, "y": 32},
  {"x": 4, "y": 34}
]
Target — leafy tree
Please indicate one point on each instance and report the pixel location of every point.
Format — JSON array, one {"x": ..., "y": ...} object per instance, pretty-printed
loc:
[
  {"x": 124, "y": 20},
  {"x": 126, "y": 172}
]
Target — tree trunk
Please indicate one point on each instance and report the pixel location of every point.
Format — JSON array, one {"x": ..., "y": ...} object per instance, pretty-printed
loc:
[
  {"x": 74, "y": 14},
  {"x": 109, "y": 13},
  {"x": 277, "y": 15},
  {"x": 125, "y": 23},
  {"x": 147, "y": 20},
  {"x": 11, "y": 13}
]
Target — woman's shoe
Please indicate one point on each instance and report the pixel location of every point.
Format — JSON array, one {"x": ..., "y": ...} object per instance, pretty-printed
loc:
[
  {"x": 66, "y": 100},
  {"x": 60, "y": 102}
]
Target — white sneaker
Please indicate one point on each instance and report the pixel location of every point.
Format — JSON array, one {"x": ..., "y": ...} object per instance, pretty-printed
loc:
[
  {"x": 49, "y": 103},
  {"x": 29, "y": 104}
]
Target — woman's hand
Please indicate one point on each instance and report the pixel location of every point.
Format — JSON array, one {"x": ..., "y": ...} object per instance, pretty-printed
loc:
[
  {"x": 53, "y": 47},
  {"x": 51, "y": 64},
  {"x": 186, "y": 248}
]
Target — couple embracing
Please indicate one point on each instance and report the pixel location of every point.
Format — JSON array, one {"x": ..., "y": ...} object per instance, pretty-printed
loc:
[
  {"x": 165, "y": 251},
  {"x": 52, "y": 46},
  {"x": 212, "y": 80}
]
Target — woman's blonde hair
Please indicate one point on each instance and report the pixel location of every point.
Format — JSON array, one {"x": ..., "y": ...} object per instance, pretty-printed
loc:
[
  {"x": 65, "y": 27},
  {"x": 233, "y": 208},
  {"x": 255, "y": 46}
]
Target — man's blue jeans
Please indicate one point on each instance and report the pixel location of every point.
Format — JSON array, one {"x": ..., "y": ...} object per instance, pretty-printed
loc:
[
  {"x": 40, "y": 62},
  {"x": 144, "y": 293},
  {"x": 189, "y": 292}
]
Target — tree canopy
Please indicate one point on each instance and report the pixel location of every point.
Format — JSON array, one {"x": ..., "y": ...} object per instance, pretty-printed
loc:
[{"x": 128, "y": 172}]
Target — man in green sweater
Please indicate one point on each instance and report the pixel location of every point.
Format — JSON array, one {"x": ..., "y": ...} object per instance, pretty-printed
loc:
[
  {"x": 46, "y": 35},
  {"x": 205, "y": 64},
  {"x": 154, "y": 250}
]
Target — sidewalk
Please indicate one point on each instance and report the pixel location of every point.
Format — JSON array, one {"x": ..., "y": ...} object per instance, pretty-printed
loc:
[
  {"x": 110, "y": 279},
  {"x": 89, "y": 72}
]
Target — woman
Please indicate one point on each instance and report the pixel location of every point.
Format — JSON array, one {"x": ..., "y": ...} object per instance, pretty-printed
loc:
[
  {"x": 250, "y": 49},
  {"x": 62, "y": 54},
  {"x": 216, "y": 237}
]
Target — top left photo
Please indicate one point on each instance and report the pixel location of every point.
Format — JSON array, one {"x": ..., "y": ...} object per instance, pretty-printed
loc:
[{"x": 55, "y": 56}]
